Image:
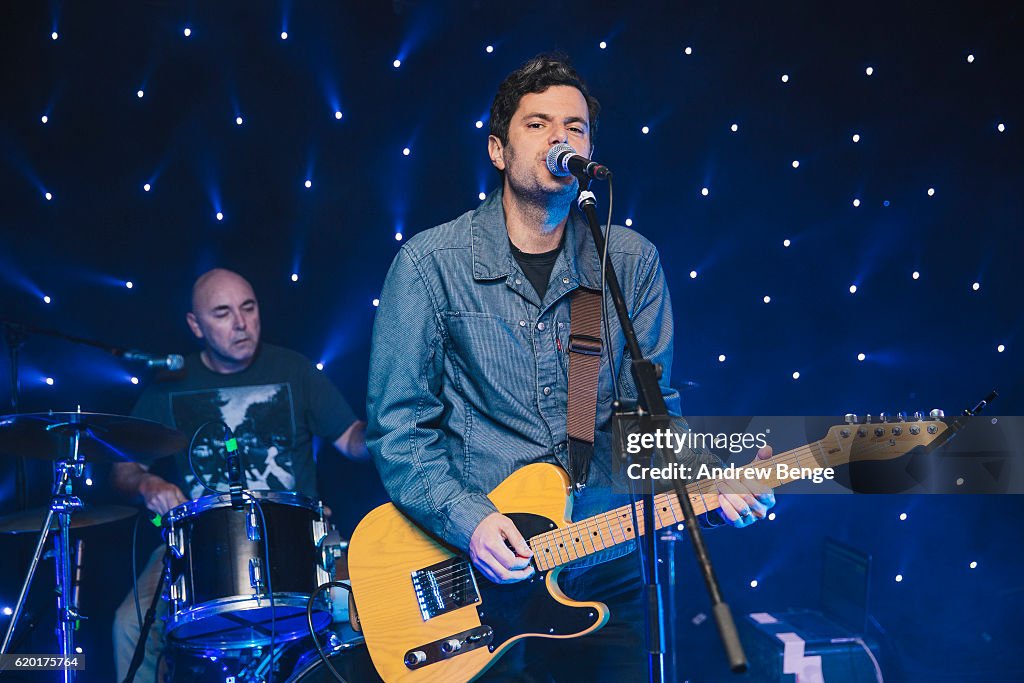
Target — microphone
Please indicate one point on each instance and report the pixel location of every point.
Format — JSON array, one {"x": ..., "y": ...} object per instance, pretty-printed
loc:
[
  {"x": 236, "y": 480},
  {"x": 171, "y": 361},
  {"x": 563, "y": 160}
]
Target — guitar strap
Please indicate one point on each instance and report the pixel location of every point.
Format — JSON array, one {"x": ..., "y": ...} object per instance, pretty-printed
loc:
[{"x": 584, "y": 365}]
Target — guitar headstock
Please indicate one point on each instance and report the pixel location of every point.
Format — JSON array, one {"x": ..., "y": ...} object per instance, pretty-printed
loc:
[{"x": 885, "y": 437}]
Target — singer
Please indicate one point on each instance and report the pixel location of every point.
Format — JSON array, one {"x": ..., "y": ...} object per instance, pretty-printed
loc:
[
  {"x": 469, "y": 369},
  {"x": 274, "y": 401}
]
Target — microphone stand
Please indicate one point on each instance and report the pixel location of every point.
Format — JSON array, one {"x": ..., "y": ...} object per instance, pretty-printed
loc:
[{"x": 652, "y": 403}]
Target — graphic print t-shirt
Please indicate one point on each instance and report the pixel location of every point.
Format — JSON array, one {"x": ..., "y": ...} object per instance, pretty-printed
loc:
[{"x": 273, "y": 408}]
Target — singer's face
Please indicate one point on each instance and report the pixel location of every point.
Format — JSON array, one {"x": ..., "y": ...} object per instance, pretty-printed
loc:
[
  {"x": 559, "y": 114},
  {"x": 226, "y": 317}
]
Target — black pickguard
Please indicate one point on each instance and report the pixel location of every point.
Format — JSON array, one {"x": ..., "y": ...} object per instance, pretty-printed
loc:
[{"x": 527, "y": 606}]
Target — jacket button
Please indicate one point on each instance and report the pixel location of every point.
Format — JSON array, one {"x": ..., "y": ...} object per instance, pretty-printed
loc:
[
  {"x": 540, "y": 326},
  {"x": 565, "y": 280},
  {"x": 522, "y": 323},
  {"x": 547, "y": 391}
]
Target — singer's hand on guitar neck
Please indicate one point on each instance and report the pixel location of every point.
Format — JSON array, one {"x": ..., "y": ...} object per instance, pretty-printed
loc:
[{"x": 499, "y": 551}]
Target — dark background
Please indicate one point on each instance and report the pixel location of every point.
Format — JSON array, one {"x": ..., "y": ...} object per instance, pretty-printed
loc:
[{"x": 927, "y": 118}]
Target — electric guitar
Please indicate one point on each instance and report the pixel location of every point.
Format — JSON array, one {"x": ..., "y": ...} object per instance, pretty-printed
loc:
[{"x": 429, "y": 616}]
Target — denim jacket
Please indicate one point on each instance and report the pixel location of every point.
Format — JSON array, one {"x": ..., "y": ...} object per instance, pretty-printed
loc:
[{"x": 468, "y": 368}]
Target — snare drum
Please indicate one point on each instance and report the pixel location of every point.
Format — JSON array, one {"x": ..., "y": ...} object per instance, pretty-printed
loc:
[{"x": 221, "y": 574}]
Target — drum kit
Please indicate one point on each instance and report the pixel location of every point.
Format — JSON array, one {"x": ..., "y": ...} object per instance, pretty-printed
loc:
[{"x": 238, "y": 578}]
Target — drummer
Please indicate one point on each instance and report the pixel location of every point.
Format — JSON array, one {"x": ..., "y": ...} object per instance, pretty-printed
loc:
[{"x": 272, "y": 399}]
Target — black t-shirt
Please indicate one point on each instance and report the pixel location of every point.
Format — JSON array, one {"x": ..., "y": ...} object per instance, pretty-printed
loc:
[
  {"x": 537, "y": 267},
  {"x": 274, "y": 407}
]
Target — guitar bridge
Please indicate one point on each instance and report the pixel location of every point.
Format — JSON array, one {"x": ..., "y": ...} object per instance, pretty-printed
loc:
[{"x": 444, "y": 587}]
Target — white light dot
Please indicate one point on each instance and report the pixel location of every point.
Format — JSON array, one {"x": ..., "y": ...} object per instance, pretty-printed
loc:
[
  {"x": 308, "y": 184},
  {"x": 134, "y": 380},
  {"x": 916, "y": 275},
  {"x": 976, "y": 286},
  {"x": 753, "y": 584},
  {"x": 704, "y": 191},
  {"x": 856, "y": 202},
  {"x": 140, "y": 94},
  {"x": 482, "y": 196},
  {"x": 785, "y": 78},
  {"x": 337, "y": 115},
  {"x": 688, "y": 50},
  {"x": 47, "y": 299},
  {"x": 397, "y": 63},
  {"x": 1001, "y": 128},
  {"x": 767, "y": 299},
  {"x": 861, "y": 356},
  {"x": 406, "y": 151},
  {"x": 129, "y": 284},
  {"x": 960, "y": 481},
  {"x": 54, "y": 36},
  {"x": 147, "y": 187},
  {"x": 645, "y": 130},
  {"x": 602, "y": 45},
  {"x": 734, "y": 127},
  {"x": 903, "y": 516},
  {"x": 629, "y": 222},
  {"x": 295, "y": 277},
  {"x": 398, "y": 237},
  {"x": 771, "y": 516},
  {"x": 8, "y": 611},
  {"x": 319, "y": 366},
  {"x": 284, "y": 35},
  {"x": 870, "y": 70},
  {"x": 88, "y": 482},
  {"x": 48, "y": 196},
  {"x": 796, "y": 164},
  {"x": 44, "y": 118},
  {"x": 973, "y": 565},
  {"x": 376, "y": 302},
  {"x": 970, "y": 59},
  {"x": 856, "y": 137},
  {"x": 238, "y": 120},
  {"x": 786, "y": 243},
  {"x": 49, "y": 381},
  {"x": 899, "y": 578},
  {"x": 931, "y": 191},
  {"x": 721, "y": 358},
  {"x": 479, "y": 124},
  {"x": 693, "y": 274},
  {"x": 187, "y": 32},
  {"x": 853, "y": 289},
  {"x": 489, "y": 49},
  {"x": 1000, "y": 348},
  {"x": 78, "y": 649},
  {"x": 220, "y": 216},
  {"x": 796, "y": 375}
]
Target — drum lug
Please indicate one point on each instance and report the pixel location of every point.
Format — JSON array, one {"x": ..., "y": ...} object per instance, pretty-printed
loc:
[
  {"x": 319, "y": 531},
  {"x": 256, "y": 574},
  {"x": 178, "y": 589},
  {"x": 176, "y": 541},
  {"x": 252, "y": 524}
]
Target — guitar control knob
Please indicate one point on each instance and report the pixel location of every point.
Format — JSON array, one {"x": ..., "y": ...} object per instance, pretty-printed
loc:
[
  {"x": 851, "y": 418},
  {"x": 451, "y": 645},
  {"x": 936, "y": 414},
  {"x": 415, "y": 657}
]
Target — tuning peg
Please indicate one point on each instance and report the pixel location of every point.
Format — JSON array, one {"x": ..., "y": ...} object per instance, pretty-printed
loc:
[
  {"x": 884, "y": 417},
  {"x": 936, "y": 414},
  {"x": 851, "y": 418},
  {"x": 916, "y": 416},
  {"x": 901, "y": 416},
  {"x": 867, "y": 419}
]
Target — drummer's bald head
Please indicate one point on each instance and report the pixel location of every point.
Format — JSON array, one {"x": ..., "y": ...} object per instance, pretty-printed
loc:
[{"x": 212, "y": 281}]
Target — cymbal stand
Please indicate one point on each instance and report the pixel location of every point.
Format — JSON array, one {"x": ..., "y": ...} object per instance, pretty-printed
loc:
[{"x": 62, "y": 504}]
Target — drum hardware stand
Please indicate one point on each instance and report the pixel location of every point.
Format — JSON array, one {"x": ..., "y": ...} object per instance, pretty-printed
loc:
[
  {"x": 147, "y": 623},
  {"x": 62, "y": 505}
]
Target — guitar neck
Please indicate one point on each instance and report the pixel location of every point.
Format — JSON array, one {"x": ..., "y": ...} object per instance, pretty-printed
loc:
[{"x": 600, "y": 532}]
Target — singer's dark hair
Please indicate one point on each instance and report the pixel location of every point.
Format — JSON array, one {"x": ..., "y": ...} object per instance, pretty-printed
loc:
[{"x": 536, "y": 76}]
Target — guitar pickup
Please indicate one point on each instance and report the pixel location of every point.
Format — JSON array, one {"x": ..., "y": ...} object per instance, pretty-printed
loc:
[
  {"x": 449, "y": 647},
  {"x": 445, "y": 586}
]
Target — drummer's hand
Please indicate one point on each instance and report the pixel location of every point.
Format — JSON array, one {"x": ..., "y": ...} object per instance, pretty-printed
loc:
[{"x": 159, "y": 494}]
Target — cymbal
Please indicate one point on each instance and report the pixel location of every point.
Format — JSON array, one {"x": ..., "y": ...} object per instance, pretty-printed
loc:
[
  {"x": 31, "y": 520},
  {"x": 104, "y": 438}
]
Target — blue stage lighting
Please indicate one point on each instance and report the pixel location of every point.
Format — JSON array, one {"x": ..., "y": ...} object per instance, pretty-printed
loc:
[{"x": 187, "y": 32}]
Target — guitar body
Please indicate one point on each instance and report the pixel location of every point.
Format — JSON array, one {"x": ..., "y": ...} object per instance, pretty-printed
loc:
[{"x": 415, "y": 597}]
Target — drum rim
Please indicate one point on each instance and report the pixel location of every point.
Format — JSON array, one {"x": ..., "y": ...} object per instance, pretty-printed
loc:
[
  {"x": 215, "y": 501},
  {"x": 179, "y": 618},
  {"x": 308, "y": 660}
]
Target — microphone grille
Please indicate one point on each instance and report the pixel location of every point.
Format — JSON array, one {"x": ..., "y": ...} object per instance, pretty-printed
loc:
[
  {"x": 556, "y": 151},
  {"x": 175, "y": 362}
]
